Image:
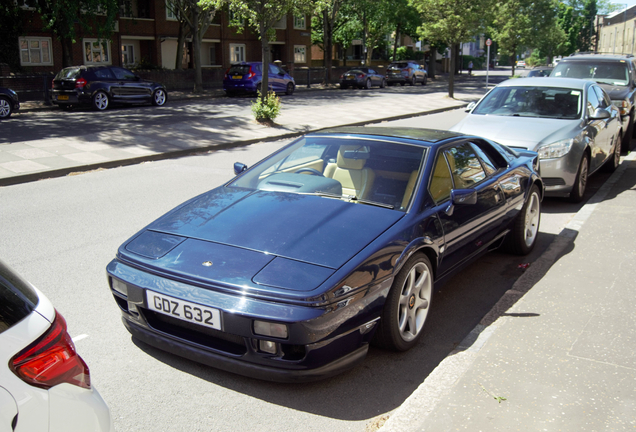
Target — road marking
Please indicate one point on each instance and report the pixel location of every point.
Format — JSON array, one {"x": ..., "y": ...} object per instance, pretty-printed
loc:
[{"x": 79, "y": 337}]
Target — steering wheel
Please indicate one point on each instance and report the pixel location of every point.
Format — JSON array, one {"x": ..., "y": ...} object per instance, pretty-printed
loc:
[{"x": 312, "y": 171}]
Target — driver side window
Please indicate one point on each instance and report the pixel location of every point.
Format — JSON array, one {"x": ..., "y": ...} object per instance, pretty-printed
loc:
[{"x": 465, "y": 166}]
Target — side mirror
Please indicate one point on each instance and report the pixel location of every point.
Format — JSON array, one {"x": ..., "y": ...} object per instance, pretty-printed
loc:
[
  {"x": 461, "y": 197},
  {"x": 239, "y": 167},
  {"x": 600, "y": 114},
  {"x": 470, "y": 107}
]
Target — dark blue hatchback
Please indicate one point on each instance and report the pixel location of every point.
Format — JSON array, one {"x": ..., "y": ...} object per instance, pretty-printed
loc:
[{"x": 247, "y": 77}]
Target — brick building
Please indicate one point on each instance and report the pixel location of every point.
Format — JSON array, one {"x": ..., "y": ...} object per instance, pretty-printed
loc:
[{"x": 147, "y": 35}]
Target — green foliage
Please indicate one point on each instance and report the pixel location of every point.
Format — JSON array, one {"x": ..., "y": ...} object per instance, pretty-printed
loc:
[
  {"x": 478, "y": 62},
  {"x": 266, "y": 107},
  {"x": 407, "y": 53},
  {"x": 536, "y": 59},
  {"x": 10, "y": 31}
]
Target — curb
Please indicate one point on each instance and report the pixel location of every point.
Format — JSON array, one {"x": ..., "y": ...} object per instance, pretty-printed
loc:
[
  {"x": 31, "y": 177},
  {"x": 410, "y": 415}
]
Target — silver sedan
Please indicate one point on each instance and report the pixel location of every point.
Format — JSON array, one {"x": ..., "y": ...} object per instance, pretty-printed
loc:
[{"x": 571, "y": 123}]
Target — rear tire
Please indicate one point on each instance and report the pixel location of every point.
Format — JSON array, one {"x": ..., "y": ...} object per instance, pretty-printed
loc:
[
  {"x": 615, "y": 159},
  {"x": 6, "y": 109},
  {"x": 523, "y": 235},
  {"x": 383, "y": 84},
  {"x": 367, "y": 85},
  {"x": 628, "y": 135},
  {"x": 580, "y": 183},
  {"x": 101, "y": 101},
  {"x": 413, "y": 80},
  {"x": 407, "y": 306}
]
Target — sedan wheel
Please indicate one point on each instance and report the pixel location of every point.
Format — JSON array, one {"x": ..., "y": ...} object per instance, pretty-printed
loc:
[
  {"x": 5, "y": 108},
  {"x": 413, "y": 80},
  {"x": 100, "y": 101},
  {"x": 615, "y": 159},
  {"x": 383, "y": 84},
  {"x": 581, "y": 181},
  {"x": 159, "y": 97},
  {"x": 407, "y": 305},
  {"x": 424, "y": 80},
  {"x": 290, "y": 89},
  {"x": 367, "y": 85},
  {"x": 523, "y": 236}
]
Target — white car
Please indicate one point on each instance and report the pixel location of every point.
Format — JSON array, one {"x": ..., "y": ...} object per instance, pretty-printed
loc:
[{"x": 44, "y": 384}]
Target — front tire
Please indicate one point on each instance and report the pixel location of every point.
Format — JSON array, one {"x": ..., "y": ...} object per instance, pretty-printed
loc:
[
  {"x": 101, "y": 101},
  {"x": 523, "y": 235},
  {"x": 628, "y": 134},
  {"x": 424, "y": 80},
  {"x": 159, "y": 97},
  {"x": 6, "y": 109},
  {"x": 290, "y": 89},
  {"x": 407, "y": 306},
  {"x": 580, "y": 183},
  {"x": 413, "y": 80}
]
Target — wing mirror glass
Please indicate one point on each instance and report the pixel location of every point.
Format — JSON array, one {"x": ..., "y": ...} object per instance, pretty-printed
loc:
[{"x": 239, "y": 167}]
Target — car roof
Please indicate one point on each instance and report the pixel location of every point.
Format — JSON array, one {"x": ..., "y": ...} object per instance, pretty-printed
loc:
[
  {"x": 430, "y": 136},
  {"x": 574, "y": 83},
  {"x": 597, "y": 57}
]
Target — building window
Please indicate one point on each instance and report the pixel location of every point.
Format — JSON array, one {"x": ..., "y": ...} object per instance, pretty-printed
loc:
[
  {"x": 35, "y": 51},
  {"x": 237, "y": 53},
  {"x": 300, "y": 54},
  {"x": 171, "y": 12},
  {"x": 96, "y": 52},
  {"x": 299, "y": 22},
  {"x": 281, "y": 24},
  {"x": 127, "y": 54}
]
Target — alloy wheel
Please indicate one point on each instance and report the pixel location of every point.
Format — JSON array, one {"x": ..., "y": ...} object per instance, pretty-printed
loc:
[
  {"x": 414, "y": 301},
  {"x": 5, "y": 108},
  {"x": 531, "y": 225}
]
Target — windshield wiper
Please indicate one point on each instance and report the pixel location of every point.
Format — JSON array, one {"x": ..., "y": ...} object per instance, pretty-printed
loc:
[{"x": 348, "y": 198}]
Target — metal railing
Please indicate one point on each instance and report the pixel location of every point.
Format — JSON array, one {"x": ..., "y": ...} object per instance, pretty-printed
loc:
[{"x": 29, "y": 87}]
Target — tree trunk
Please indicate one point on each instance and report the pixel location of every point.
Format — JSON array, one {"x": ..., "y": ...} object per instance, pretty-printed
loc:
[
  {"x": 327, "y": 44},
  {"x": 397, "y": 41},
  {"x": 513, "y": 62},
  {"x": 432, "y": 61},
  {"x": 180, "y": 42},
  {"x": 451, "y": 75},
  {"x": 265, "y": 57},
  {"x": 196, "y": 51},
  {"x": 67, "y": 52}
]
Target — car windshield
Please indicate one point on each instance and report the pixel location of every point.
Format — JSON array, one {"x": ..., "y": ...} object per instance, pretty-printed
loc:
[
  {"x": 360, "y": 170},
  {"x": 522, "y": 101},
  {"x": 68, "y": 73},
  {"x": 613, "y": 73}
]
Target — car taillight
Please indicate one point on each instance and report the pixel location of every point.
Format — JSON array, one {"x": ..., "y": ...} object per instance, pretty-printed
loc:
[
  {"x": 408, "y": 70},
  {"x": 80, "y": 83},
  {"x": 360, "y": 75},
  {"x": 51, "y": 360},
  {"x": 226, "y": 73},
  {"x": 251, "y": 74}
]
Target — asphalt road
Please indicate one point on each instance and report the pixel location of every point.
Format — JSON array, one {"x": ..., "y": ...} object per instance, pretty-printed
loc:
[{"x": 61, "y": 233}]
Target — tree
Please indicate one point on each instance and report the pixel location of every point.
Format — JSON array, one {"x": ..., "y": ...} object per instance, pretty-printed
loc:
[
  {"x": 405, "y": 20},
  {"x": 10, "y": 31},
  {"x": 195, "y": 17},
  {"x": 262, "y": 15},
  {"x": 65, "y": 17},
  {"x": 329, "y": 22},
  {"x": 450, "y": 22}
]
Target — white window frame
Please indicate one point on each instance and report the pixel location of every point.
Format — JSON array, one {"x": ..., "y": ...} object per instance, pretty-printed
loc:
[
  {"x": 281, "y": 24},
  {"x": 241, "y": 53},
  {"x": 89, "y": 58},
  {"x": 300, "y": 22},
  {"x": 127, "y": 49},
  {"x": 170, "y": 16},
  {"x": 300, "y": 54},
  {"x": 35, "y": 44}
]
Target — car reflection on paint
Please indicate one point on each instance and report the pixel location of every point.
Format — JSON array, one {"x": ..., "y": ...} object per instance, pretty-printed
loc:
[{"x": 290, "y": 270}]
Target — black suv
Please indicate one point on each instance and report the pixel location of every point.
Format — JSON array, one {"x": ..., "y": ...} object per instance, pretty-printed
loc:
[
  {"x": 101, "y": 86},
  {"x": 616, "y": 73},
  {"x": 406, "y": 72}
]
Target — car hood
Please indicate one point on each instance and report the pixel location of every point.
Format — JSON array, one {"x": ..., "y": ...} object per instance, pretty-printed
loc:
[
  {"x": 527, "y": 132},
  {"x": 245, "y": 238},
  {"x": 615, "y": 92}
]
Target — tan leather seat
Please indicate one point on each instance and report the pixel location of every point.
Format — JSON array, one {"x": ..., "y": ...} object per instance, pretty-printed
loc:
[
  {"x": 410, "y": 187},
  {"x": 355, "y": 179}
]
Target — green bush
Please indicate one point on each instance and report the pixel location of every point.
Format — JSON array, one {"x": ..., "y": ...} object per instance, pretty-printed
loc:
[
  {"x": 267, "y": 108},
  {"x": 478, "y": 62}
]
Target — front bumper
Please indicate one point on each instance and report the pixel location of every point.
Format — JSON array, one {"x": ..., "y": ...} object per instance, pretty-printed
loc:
[
  {"x": 322, "y": 342},
  {"x": 559, "y": 174}
]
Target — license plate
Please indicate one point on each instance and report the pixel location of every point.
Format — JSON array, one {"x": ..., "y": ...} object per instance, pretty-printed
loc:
[
  {"x": 184, "y": 310},
  {"x": 237, "y": 77},
  {"x": 62, "y": 97}
]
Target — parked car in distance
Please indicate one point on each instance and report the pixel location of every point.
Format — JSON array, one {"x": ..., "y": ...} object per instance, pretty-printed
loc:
[
  {"x": 615, "y": 73},
  {"x": 521, "y": 64},
  {"x": 539, "y": 72},
  {"x": 362, "y": 77},
  {"x": 103, "y": 86},
  {"x": 247, "y": 77},
  {"x": 571, "y": 123},
  {"x": 9, "y": 102},
  {"x": 44, "y": 384},
  {"x": 406, "y": 72},
  {"x": 290, "y": 270}
]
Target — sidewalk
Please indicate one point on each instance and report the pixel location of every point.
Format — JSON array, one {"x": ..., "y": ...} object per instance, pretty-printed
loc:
[
  {"x": 557, "y": 352},
  {"x": 36, "y": 145}
]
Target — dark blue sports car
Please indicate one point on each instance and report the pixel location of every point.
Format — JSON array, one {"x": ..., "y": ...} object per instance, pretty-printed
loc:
[{"x": 290, "y": 270}]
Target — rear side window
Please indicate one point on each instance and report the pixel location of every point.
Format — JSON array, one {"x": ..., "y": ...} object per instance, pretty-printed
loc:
[
  {"x": 17, "y": 299},
  {"x": 104, "y": 74}
]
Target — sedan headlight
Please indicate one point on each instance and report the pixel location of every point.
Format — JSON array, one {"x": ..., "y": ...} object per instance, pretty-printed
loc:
[
  {"x": 556, "y": 149},
  {"x": 622, "y": 105}
]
